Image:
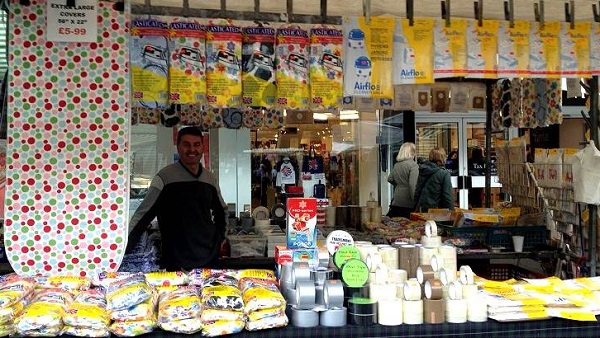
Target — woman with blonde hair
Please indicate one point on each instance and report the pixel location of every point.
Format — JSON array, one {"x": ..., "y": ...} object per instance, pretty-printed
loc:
[
  {"x": 404, "y": 177},
  {"x": 434, "y": 186}
]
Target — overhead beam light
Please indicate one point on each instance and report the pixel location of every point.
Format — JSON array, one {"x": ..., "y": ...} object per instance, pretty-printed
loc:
[{"x": 349, "y": 115}]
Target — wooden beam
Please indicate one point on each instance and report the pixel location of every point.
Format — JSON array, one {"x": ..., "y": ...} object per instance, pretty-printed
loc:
[{"x": 235, "y": 15}]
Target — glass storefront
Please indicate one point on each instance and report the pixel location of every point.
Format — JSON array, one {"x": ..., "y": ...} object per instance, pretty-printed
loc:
[{"x": 344, "y": 157}]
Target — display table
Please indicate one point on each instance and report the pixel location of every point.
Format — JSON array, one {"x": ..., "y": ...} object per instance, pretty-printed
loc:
[{"x": 491, "y": 329}]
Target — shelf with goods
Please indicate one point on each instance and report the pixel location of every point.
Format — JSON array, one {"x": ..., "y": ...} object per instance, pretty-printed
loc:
[{"x": 547, "y": 186}]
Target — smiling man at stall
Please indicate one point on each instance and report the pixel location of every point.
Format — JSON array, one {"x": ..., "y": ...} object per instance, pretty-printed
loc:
[{"x": 187, "y": 201}]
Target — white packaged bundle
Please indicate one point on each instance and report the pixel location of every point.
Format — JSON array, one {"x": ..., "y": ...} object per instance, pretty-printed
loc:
[
  {"x": 80, "y": 331},
  {"x": 209, "y": 315},
  {"x": 260, "y": 294},
  {"x": 222, "y": 327},
  {"x": 187, "y": 326},
  {"x": 127, "y": 292},
  {"x": 165, "y": 278},
  {"x": 104, "y": 278},
  {"x": 87, "y": 316},
  {"x": 69, "y": 283},
  {"x": 183, "y": 303},
  {"x": 222, "y": 297},
  {"x": 133, "y": 328},
  {"x": 142, "y": 311}
]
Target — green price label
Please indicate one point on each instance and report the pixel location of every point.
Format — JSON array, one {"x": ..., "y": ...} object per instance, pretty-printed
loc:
[
  {"x": 355, "y": 273},
  {"x": 344, "y": 254}
]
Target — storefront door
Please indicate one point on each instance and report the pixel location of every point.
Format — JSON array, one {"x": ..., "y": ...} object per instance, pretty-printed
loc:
[{"x": 463, "y": 139}]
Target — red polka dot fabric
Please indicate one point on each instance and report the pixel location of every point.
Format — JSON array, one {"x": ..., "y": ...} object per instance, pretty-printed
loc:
[{"x": 67, "y": 146}]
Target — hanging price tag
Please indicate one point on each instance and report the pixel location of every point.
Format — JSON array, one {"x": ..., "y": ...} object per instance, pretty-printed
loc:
[{"x": 72, "y": 23}]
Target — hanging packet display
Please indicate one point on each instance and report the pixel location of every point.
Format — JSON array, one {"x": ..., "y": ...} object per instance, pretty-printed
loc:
[
  {"x": 223, "y": 64},
  {"x": 258, "y": 73},
  {"x": 555, "y": 166},
  {"x": 540, "y": 167},
  {"x": 291, "y": 60},
  {"x": 529, "y": 103},
  {"x": 326, "y": 69},
  {"x": 575, "y": 49},
  {"x": 253, "y": 118},
  {"x": 544, "y": 51},
  {"x": 410, "y": 41},
  {"x": 515, "y": 102},
  {"x": 450, "y": 48},
  {"x": 513, "y": 49},
  {"x": 541, "y": 102},
  {"x": 273, "y": 118},
  {"x": 586, "y": 177},
  {"x": 403, "y": 97},
  {"x": 459, "y": 101},
  {"x": 187, "y": 71},
  {"x": 568, "y": 159},
  {"x": 595, "y": 49},
  {"x": 368, "y": 56},
  {"x": 482, "y": 49},
  {"x": 497, "y": 106},
  {"x": 554, "y": 114},
  {"x": 149, "y": 67},
  {"x": 187, "y": 77}
]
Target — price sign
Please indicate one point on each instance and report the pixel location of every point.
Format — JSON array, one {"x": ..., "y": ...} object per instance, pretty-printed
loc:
[{"x": 76, "y": 23}]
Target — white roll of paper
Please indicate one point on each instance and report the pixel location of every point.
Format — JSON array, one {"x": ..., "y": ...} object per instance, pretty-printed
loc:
[
  {"x": 456, "y": 310},
  {"x": 412, "y": 290},
  {"x": 466, "y": 275},
  {"x": 412, "y": 311},
  {"x": 431, "y": 228},
  {"x": 389, "y": 311}
]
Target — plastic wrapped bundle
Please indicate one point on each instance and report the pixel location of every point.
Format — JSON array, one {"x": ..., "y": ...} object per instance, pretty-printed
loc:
[
  {"x": 81, "y": 331},
  {"x": 133, "y": 328},
  {"x": 142, "y": 311},
  {"x": 15, "y": 289},
  {"x": 260, "y": 294},
  {"x": 182, "y": 303},
  {"x": 87, "y": 315},
  {"x": 264, "y": 304},
  {"x": 222, "y": 327},
  {"x": 43, "y": 317},
  {"x": 127, "y": 292},
  {"x": 167, "y": 278},
  {"x": 72, "y": 284}
]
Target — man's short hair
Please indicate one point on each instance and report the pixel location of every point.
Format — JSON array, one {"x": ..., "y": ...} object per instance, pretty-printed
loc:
[{"x": 195, "y": 131}]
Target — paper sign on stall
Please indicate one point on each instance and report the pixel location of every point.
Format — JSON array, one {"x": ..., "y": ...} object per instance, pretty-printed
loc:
[
  {"x": 482, "y": 49},
  {"x": 544, "y": 52},
  {"x": 513, "y": 49},
  {"x": 575, "y": 49},
  {"x": 368, "y": 56},
  {"x": 450, "y": 48},
  {"x": 76, "y": 23},
  {"x": 410, "y": 42}
]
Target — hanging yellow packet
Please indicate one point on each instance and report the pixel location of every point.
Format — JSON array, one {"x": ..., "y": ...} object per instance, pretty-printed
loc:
[
  {"x": 513, "y": 49},
  {"x": 482, "y": 49},
  {"x": 450, "y": 48}
]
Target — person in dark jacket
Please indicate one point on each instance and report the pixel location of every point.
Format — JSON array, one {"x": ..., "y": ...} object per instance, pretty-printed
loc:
[
  {"x": 476, "y": 168},
  {"x": 187, "y": 201},
  {"x": 434, "y": 186},
  {"x": 404, "y": 177}
]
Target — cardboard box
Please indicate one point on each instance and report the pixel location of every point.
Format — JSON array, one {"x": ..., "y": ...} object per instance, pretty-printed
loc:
[{"x": 301, "y": 223}]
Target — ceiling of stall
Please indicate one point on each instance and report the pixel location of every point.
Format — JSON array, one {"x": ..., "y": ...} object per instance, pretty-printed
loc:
[{"x": 554, "y": 10}]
